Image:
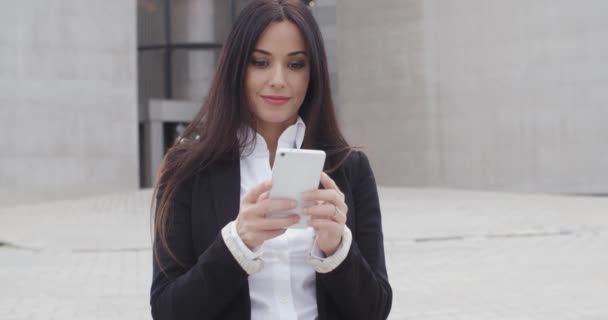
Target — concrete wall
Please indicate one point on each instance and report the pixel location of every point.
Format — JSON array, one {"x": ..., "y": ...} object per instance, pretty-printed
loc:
[
  {"x": 324, "y": 12},
  {"x": 503, "y": 95},
  {"x": 68, "y": 108}
]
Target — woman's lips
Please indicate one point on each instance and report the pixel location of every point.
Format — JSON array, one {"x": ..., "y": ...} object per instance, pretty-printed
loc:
[{"x": 275, "y": 100}]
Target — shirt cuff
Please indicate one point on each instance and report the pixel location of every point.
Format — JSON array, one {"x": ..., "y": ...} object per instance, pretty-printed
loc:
[
  {"x": 249, "y": 260},
  {"x": 327, "y": 264},
  {"x": 249, "y": 254}
]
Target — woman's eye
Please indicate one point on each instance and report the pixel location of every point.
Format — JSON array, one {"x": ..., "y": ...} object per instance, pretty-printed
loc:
[
  {"x": 259, "y": 63},
  {"x": 297, "y": 65}
]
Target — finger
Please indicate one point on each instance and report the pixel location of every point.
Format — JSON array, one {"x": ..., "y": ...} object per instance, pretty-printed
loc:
[
  {"x": 328, "y": 195},
  {"x": 268, "y": 206},
  {"x": 325, "y": 211},
  {"x": 310, "y": 203},
  {"x": 263, "y": 196},
  {"x": 329, "y": 183},
  {"x": 276, "y": 223},
  {"x": 254, "y": 193},
  {"x": 326, "y": 225}
]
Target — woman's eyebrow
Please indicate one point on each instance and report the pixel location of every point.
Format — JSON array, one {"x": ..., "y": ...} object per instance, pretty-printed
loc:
[
  {"x": 297, "y": 52},
  {"x": 262, "y": 51},
  {"x": 289, "y": 54}
]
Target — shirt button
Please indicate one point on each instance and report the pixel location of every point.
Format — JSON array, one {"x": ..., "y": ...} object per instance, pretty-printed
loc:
[{"x": 283, "y": 299}]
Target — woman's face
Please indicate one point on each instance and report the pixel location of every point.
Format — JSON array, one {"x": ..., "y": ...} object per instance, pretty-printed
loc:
[{"x": 277, "y": 75}]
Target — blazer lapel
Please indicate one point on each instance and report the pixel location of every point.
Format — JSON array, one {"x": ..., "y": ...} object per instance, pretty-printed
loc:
[{"x": 226, "y": 190}]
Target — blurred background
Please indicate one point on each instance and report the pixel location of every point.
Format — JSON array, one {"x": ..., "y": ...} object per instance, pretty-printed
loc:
[
  {"x": 481, "y": 115},
  {"x": 486, "y": 95}
]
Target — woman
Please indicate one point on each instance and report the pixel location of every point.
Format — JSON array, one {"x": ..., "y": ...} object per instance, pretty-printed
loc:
[{"x": 216, "y": 255}]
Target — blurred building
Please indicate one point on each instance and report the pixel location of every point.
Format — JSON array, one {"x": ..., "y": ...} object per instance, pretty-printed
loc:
[
  {"x": 68, "y": 96},
  {"x": 499, "y": 95},
  {"x": 179, "y": 43}
]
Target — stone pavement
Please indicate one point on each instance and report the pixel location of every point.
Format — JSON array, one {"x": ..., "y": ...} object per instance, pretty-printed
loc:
[{"x": 450, "y": 254}]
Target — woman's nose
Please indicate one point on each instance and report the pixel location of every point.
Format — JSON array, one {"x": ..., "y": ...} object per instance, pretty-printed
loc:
[{"x": 278, "y": 77}]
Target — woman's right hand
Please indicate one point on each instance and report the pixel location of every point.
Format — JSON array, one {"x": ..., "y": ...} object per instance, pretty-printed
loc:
[{"x": 252, "y": 224}]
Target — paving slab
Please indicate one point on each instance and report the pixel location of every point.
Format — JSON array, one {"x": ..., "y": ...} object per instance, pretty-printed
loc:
[{"x": 450, "y": 255}]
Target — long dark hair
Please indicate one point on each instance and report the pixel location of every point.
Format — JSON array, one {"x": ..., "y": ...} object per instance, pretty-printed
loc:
[{"x": 212, "y": 134}]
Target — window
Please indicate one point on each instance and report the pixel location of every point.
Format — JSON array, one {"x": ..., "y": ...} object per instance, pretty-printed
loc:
[{"x": 178, "y": 45}]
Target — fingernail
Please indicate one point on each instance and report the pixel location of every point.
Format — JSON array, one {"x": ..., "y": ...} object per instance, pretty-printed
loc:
[{"x": 305, "y": 210}]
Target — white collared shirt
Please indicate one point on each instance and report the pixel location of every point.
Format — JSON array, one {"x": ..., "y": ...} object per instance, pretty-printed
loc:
[{"x": 282, "y": 271}]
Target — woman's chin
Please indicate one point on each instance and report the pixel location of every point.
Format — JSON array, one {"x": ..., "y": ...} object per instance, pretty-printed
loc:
[{"x": 274, "y": 116}]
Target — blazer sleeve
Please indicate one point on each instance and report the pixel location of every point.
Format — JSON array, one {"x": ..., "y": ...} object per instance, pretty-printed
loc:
[
  {"x": 359, "y": 285},
  {"x": 192, "y": 287}
]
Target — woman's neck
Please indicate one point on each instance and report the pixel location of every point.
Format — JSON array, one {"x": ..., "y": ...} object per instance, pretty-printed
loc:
[{"x": 271, "y": 133}]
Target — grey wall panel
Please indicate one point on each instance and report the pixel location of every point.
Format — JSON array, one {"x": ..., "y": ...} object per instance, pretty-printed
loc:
[
  {"x": 70, "y": 110},
  {"x": 502, "y": 95},
  {"x": 324, "y": 12}
]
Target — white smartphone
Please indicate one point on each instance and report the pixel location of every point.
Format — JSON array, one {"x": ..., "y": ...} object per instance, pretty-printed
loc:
[{"x": 294, "y": 172}]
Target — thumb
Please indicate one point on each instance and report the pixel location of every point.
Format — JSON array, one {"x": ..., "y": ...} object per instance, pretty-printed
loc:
[
  {"x": 263, "y": 196},
  {"x": 252, "y": 195}
]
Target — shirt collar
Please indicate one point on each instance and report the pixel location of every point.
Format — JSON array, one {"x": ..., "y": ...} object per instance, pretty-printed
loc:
[{"x": 292, "y": 137}]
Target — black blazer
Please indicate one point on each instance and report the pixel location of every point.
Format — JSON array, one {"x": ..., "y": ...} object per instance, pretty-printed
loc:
[{"x": 210, "y": 284}]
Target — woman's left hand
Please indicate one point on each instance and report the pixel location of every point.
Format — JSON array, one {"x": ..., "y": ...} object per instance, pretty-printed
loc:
[{"x": 328, "y": 216}]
